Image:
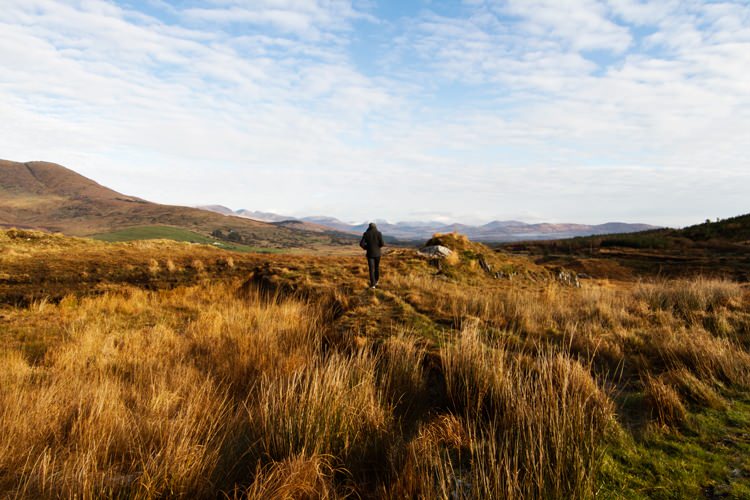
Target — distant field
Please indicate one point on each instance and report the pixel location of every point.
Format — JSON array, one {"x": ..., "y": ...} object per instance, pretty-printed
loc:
[{"x": 175, "y": 234}]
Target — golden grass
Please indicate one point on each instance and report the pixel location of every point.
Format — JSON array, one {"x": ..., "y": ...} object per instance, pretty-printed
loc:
[
  {"x": 188, "y": 391},
  {"x": 222, "y": 389},
  {"x": 664, "y": 402},
  {"x": 534, "y": 422},
  {"x": 131, "y": 402},
  {"x": 693, "y": 389},
  {"x": 686, "y": 296},
  {"x": 297, "y": 477}
]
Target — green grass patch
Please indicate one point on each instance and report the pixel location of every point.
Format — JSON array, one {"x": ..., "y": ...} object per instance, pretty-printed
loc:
[
  {"x": 176, "y": 234},
  {"x": 708, "y": 459}
]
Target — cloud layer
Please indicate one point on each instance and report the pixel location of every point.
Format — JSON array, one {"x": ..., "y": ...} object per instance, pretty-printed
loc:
[{"x": 592, "y": 111}]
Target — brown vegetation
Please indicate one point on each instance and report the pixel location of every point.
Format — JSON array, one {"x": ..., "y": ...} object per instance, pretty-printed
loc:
[{"x": 281, "y": 377}]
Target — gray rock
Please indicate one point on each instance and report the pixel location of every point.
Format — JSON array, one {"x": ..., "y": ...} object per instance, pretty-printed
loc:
[
  {"x": 568, "y": 278},
  {"x": 436, "y": 251}
]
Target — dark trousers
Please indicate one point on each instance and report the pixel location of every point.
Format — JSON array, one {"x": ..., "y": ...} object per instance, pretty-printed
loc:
[{"x": 374, "y": 264}]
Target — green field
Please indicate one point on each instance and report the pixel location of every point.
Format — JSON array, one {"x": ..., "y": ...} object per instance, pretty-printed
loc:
[{"x": 175, "y": 234}]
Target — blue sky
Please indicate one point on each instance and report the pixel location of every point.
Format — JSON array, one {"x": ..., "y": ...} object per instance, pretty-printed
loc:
[{"x": 568, "y": 111}]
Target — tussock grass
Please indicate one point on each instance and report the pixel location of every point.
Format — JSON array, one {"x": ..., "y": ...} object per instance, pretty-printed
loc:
[
  {"x": 137, "y": 402},
  {"x": 185, "y": 392},
  {"x": 534, "y": 422},
  {"x": 304, "y": 477},
  {"x": 468, "y": 389},
  {"x": 400, "y": 371},
  {"x": 687, "y": 296},
  {"x": 711, "y": 359},
  {"x": 664, "y": 402},
  {"x": 604, "y": 325},
  {"x": 333, "y": 409},
  {"x": 693, "y": 389}
]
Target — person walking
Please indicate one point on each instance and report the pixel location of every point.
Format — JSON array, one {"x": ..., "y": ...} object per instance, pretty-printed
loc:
[{"x": 372, "y": 241}]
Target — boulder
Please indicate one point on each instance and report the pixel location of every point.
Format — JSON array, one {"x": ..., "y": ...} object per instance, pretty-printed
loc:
[
  {"x": 436, "y": 251},
  {"x": 568, "y": 278}
]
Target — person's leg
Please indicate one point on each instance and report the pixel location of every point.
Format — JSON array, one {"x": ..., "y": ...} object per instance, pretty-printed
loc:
[
  {"x": 371, "y": 268},
  {"x": 377, "y": 270}
]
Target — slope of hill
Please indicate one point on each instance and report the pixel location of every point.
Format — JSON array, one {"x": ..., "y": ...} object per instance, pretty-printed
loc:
[
  {"x": 51, "y": 197},
  {"x": 734, "y": 229},
  {"x": 720, "y": 248}
]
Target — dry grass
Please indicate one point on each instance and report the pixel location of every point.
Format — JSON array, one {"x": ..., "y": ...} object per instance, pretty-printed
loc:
[
  {"x": 217, "y": 388},
  {"x": 687, "y": 296},
  {"x": 693, "y": 389},
  {"x": 534, "y": 422},
  {"x": 664, "y": 402},
  {"x": 193, "y": 390},
  {"x": 136, "y": 401},
  {"x": 297, "y": 477}
]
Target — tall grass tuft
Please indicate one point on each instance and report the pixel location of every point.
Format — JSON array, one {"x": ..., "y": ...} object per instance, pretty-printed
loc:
[
  {"x": 334, "y": 408},
  {"x": 687, "y": 296},
  {"x": 203, "y": 391},
  {"x": 401, "y": 376},
  {"x": 534, "y": 423},
  {"x": 664, "y": 402},
  {"x": 299, "y": 476},
  {"x": 712, "y": 359}
]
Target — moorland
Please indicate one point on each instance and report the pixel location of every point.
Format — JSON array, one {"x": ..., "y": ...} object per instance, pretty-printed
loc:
[{"x": 169, "y": 369}]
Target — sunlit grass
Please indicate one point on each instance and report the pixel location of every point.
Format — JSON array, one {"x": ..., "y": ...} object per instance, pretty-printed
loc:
[{"x": 531, "y": 390}]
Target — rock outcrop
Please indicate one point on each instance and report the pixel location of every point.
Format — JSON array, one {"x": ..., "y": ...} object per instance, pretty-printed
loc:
[{"x": 436, "y": 251}]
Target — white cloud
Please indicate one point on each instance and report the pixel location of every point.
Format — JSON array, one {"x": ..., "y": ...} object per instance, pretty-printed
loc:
[
  {"x": 577, "y": 24},
  {"x": 569, "y": 111},
  {"x": 642, "y": 13},
  {"x": 304, "y": 18}
]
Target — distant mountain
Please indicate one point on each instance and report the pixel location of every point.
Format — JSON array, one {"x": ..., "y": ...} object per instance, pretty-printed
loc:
[
  {"x": 219, "y": 209},
  {"x": 275, "y": 219},
  {"x": 336, "y": 224},
  {"x": 495, "y": 231},
  {"x": 42, "y": 195},
  {"x": 263, "y": 216},
  {"x": 714, "y": 248},
  {"x": 306, "y": 226},
  {"x": 247, "y": 214}
]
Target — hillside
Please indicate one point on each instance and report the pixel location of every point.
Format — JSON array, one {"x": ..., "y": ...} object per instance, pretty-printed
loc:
[
  {"x": 50, "y": 197},
  {"x": 720, "y": 248},
  {"x": 734, "y": 229}
]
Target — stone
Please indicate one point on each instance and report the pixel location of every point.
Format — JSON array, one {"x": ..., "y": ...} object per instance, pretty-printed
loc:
[
  {"x": 568, "y": 278},
  {"x": 436, "y": 251}
]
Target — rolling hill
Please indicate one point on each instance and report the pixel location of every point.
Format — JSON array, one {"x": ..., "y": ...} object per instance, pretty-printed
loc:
[
  {"x": 720, "y": 248},
  {"x": 48, "y": 196}
]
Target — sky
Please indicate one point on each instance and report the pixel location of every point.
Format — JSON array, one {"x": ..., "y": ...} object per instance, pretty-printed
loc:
[{"x": 581, "y": 111}]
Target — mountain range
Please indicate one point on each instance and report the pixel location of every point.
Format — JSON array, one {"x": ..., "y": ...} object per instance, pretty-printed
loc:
[
  {"x": 48, "y": 196},
  {"x": 495, "y": 231}
]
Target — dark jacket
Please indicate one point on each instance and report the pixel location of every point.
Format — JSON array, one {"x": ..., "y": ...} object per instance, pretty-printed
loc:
[{"x": 372, "y": 241}]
